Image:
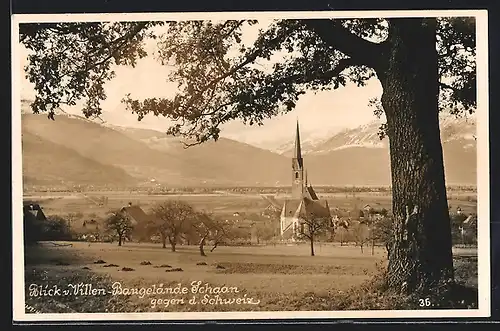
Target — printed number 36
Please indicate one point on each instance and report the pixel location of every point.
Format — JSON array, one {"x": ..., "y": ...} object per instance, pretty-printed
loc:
[{"x": 424, "y": 302}]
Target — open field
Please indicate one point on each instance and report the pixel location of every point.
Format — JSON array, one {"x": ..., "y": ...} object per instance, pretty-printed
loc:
[
  {"x": 222, "y": 202},
  {"x": 278, "y": 277}
]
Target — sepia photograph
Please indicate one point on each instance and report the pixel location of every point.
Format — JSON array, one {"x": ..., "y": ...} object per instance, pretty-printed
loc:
[{"x": 189, "y": 166}]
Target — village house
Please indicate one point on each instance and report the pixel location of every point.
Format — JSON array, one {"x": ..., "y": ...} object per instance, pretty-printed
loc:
[
  {"x": 135, "y": 213},
  {"x": 34, "y": 209}
]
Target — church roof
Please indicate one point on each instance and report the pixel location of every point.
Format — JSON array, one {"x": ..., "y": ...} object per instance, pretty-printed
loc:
[
  {"x": 310, "y": 193},
  {"x": 318, "y": 208},
  {"x": 305, "y": 206},
  {"x": 290, "y": 207}
]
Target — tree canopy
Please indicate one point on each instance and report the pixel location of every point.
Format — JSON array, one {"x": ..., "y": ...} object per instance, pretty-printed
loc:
[{"x": 221, "y": 75}]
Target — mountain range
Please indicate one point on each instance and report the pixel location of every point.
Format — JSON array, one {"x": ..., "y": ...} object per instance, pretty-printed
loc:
[{"x": 73, "y": 150}]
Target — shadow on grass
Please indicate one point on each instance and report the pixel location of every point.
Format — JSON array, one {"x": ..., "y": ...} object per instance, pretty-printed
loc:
[
  {"x": 274, "y": 268},
  {"x": 39, "y": 254},
  {"x": 56, "y": 266},
  {"x": 72, "y": 302}
]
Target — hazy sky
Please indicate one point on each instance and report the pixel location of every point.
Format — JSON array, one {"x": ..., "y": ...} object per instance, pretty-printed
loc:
[{"x": 323, "y": 113}]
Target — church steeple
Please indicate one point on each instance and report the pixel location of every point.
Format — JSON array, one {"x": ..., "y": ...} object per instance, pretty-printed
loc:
[
  {"x": 297, "y": 152},
  {"x": 297, "y": 168}
]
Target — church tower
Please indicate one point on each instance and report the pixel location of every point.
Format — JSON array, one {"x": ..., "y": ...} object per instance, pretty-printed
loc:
[{"x": 297, "y": 168}]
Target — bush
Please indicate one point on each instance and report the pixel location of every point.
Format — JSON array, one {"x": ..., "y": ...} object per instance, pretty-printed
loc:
[
  {"x": 375, "y": 294},
  {"x": 54, "y": 228},
  {"x": 32, "y": 229}
]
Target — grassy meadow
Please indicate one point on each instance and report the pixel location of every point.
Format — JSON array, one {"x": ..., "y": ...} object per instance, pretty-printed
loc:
[
  {"x": 277, "y": 276},
  {"x": 280, "y": 277}
]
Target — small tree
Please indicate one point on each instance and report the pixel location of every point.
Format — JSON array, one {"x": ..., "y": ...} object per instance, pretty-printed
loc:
[
  {"x": 265, "y": 230},
  {"x": 369, "y": 222},
  {"x": 382, "y": 232},
  {"x": 189, "y": 235},
  {"x": 456, "y": 222},
  {"x": 171, "y": 220},
  {"x": 263, "y": 227},
  {"x": 341, "y": 232},
  {"x": 73, "y": 217},
  {"x": 55, "y": 228},
  {"x": 341, "y": 227},
  {"x": 239, "y": 233},
  {"x": 361, "y": 235},
  {"x": 211, "y": 229},
  {"x": 120, "y": 224},
  {"x": 312, "y": 226}
]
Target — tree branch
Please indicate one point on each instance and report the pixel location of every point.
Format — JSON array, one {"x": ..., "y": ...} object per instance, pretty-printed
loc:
[
  {"x": 444, "y": 85},
  {"x": 122, "y": 41},
  {"x": 341, "y": 66},
  {"x": 363, "y": 51}
]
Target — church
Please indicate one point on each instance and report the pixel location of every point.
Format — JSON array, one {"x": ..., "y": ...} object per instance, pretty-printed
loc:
[{"x": 303, "y": 202}]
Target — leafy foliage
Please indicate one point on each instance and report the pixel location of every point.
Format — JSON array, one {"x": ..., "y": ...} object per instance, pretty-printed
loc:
[
  {"x": 462, "y": 232},
  {"x": 120, "y": 224},
  {"x": 211, "y": 229},
  {"x": 72, "y": 61},
  {"x": 53, "y": 228},
  {"x": 222, "y": 77},
  {"x": 456, "y": 44},
  {"x": 172, "y": 219},
  {"x": 312, "y": 226},
  {"x": 361, "y": 234},
  {"x": 265, "y": 230}
]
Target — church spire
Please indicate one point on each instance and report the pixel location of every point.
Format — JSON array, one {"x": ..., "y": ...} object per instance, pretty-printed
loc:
[
  {"x": 297, "y": 154},
  {"x": 297, "y": 168}
]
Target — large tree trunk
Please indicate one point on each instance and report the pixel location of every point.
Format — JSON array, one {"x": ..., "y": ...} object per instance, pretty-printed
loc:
[
  {"x": 421, "y": 253},
  {"x": 120, "y": 236},
  {"x": 311, "y": 240}
]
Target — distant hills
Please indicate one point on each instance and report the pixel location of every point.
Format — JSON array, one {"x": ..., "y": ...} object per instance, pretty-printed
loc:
[
  {"x": 107, "y": 156},
  {"x": 74, "y": 150}
]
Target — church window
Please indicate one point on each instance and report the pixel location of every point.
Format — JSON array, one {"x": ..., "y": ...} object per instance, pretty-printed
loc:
[{"x": 296, "y": 175}]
